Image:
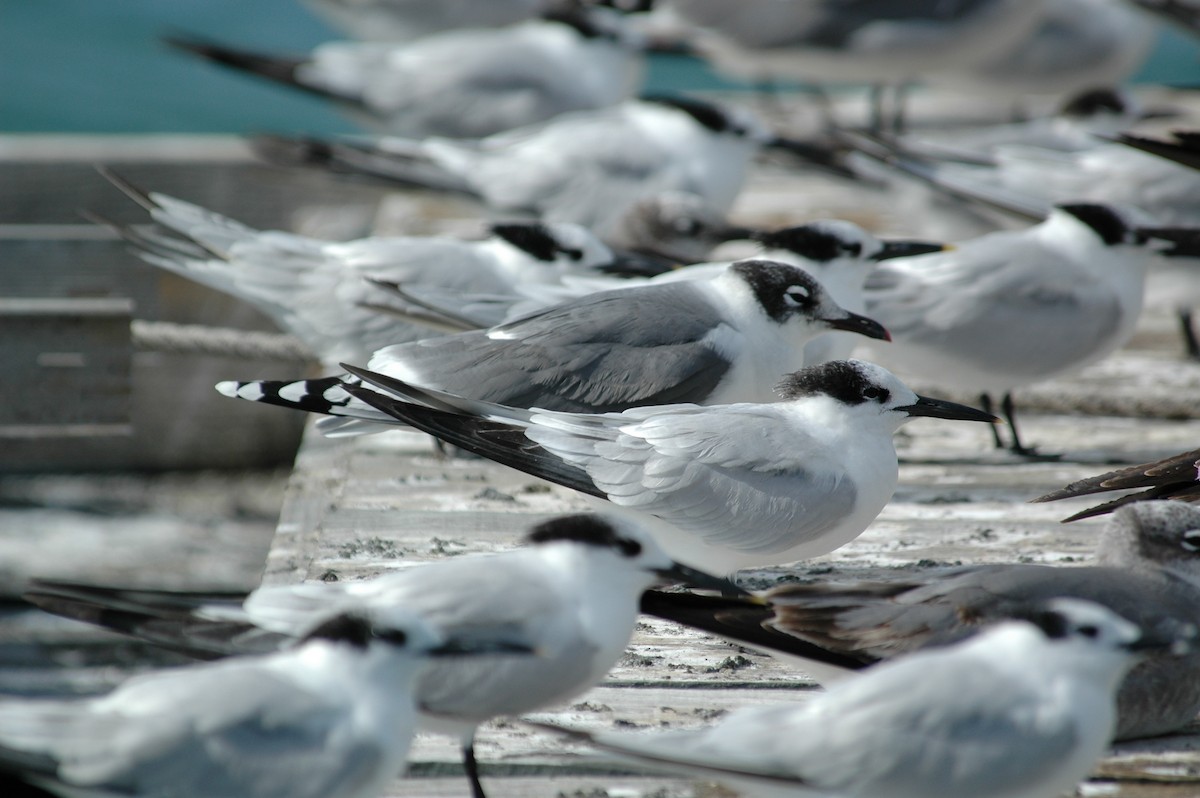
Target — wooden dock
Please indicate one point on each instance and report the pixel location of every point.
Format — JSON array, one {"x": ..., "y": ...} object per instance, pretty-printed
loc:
[
  {"x": 358, "y": 507},
  {"x": 355, "y": 508}
]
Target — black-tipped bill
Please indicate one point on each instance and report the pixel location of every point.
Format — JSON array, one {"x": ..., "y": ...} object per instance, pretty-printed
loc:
[
  {"x": 940, "y": 408},
  {"x": 638, "y": 264},
  {"x": 465, "y": 647},
  {"x": 683, "y": 574},
  {"x": 906, "y": 249},
  {"x": 853, "y": 322}
]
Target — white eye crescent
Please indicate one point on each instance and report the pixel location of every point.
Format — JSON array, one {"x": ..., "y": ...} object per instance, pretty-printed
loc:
[
  {"x": 1191, "y": 540},
  {"x": 797, "y": 295}
]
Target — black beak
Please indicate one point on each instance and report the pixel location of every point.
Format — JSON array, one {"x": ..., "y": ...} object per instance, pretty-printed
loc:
[
  {"x": 638, "y": 264},
  {"x": 460, "y": 647},
  {"x": 853, "y": 322},
  {"x": 1186, "y": 240},
  {"x": 1175, "y": 637},
  {"x": 685, "y": 575},
  {"x": 825, "y": 156},
  {"x": 940, "y": 408},
  {"x": 906, "y": 249},
  {"x": 732, "y": 232}
]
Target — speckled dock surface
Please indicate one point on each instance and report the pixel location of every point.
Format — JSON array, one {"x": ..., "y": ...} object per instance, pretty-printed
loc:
[
  {"x": 354, "y": 508},
  {"x": 358, "y": 507}
]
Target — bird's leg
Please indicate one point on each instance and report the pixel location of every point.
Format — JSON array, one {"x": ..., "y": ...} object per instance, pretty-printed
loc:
[
  {"x": 1006, "y": 407},
  {"x": 985, "y": 402},
  {"x": 875, "y": 125},
  {"x": 1191, "y": 345},
  {"x": 472, "y": 767},
  {"x": 900, "y": 108}
]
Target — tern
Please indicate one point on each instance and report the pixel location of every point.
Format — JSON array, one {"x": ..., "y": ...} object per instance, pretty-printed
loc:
[
  {"x": 725, "y": 486},
  {"x": 571, "y": 592},
  {"x": 1022, "y": 710},
  {"x": 1146, "y": 566}
]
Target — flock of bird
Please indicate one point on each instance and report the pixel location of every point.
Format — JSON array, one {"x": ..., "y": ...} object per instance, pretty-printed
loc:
[{"x": 710, "y": 408}]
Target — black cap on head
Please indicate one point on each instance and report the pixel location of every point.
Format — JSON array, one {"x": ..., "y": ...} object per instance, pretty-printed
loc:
[
  {"x": 839, "y": 379},
  {"x": 809, "y": 242},
  {"x": 1105, "y": 221},
  {"x": 781, "y": 289},
  {"x": 707, "y": 114},
  {"x": 591, "y": 530},
  {"x": 533, "y": 238}
]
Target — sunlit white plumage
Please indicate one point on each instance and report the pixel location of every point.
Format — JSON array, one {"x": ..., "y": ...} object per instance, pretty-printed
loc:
[
  {"x": 726, "y": 486},
  {"x": 1022, "y": 710}
]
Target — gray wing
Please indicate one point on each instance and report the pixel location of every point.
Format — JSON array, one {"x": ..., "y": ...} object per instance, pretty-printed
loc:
[
  {"x": 604, "y": 353},
  {"x": 600, "y": 166},
  {"x": 738, "y": 475},
  {"x": 989, "y": 301},
  {"x": 881, "y": 620},
  {"x": 231, "y": 731},
  {"x": 831, "y": 24}
]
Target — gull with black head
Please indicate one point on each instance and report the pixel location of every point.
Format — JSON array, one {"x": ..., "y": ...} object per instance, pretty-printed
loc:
[{"x": 720, "y": 340}]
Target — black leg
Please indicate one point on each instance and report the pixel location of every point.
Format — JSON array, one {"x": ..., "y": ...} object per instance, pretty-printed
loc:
[
  {"x": 1006, "y": 407},
  {"x": 900, "y": 94},
  {"x": 985, "y": 402},
  {"x": 472, "y": 768},
  {"x": 1191, "y": 346},
  {"x": 877, "y": 111}
]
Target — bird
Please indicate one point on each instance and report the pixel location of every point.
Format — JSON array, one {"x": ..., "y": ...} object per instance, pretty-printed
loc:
[
  {"x": 331, "y": 716},
  {"x": 1175, "y": 477},
  {"x": 318, "y": 290},
  {"x": 1076, "y": 45},
  {"x": 1146, "y": 565},
  {"x": 837, "y": 252},
  {"x": 876, "y": 42},
  {"x": 463, "y": 83},
  {"x": 1021, "y": 710},
  {"x": 724, "y": 487},
  {"x": 571, "y": 592},
  {"x": 717, "y": 341},
  {"x": 404, "y": 20},
  {"x": 586, "y": 167},
  {"x": 840, "y": 254},
  {"x": 1174, "y": 282},
  {"x": 1012, "y": 308},
  {"x": 1183, "y": 146}
]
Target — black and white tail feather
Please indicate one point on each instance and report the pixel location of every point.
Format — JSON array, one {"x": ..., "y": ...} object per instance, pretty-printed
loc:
[{"x": 347, "y": 415}]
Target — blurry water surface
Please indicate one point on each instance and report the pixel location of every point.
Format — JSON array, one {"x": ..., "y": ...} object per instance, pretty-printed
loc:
[{"x": 98, "y": 66}]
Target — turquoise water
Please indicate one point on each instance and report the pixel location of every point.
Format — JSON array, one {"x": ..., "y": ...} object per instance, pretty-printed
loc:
[{"x": 98, "y": 66}]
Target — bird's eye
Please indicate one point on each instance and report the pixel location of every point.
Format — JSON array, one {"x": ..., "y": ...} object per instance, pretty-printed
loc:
[
  {"x": 1090, "y": 632},
  {"x": 798, "y": 296},
  {"x": 573, "y": 254},
  {"x": 874, "y": 392},
  {"x": 1191, "y": 540},
  {"x": 854, "y": 249}
]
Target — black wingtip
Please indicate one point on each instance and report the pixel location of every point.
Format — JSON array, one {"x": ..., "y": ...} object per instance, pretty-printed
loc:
[{"x": 122, "y": 184}]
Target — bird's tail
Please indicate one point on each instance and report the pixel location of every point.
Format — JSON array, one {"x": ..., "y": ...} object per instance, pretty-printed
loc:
[
  {"x": 348, "y": 416},
  {"x": 200, "y": 625},
  {"x": 401, "y": 162},
  {"x": 263, "y": 268}
]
